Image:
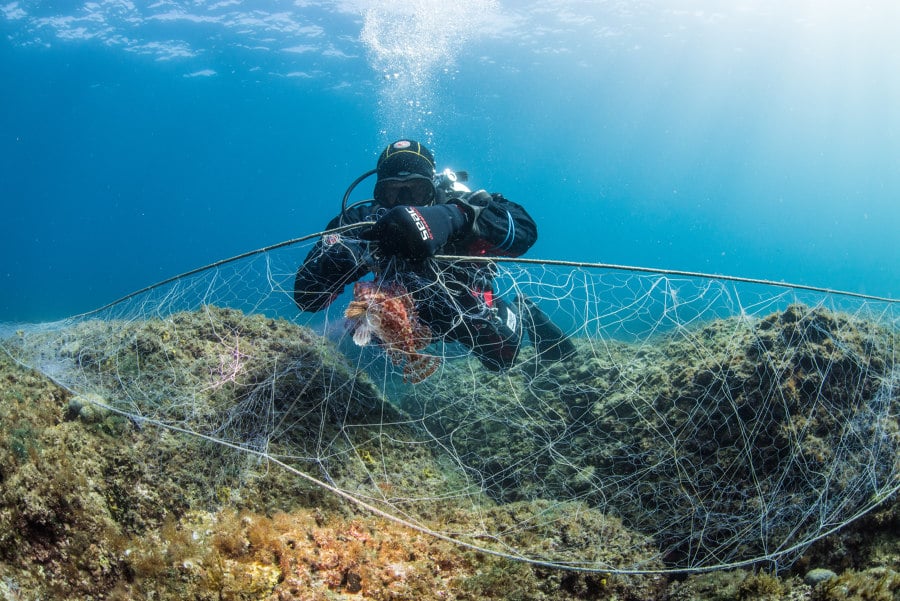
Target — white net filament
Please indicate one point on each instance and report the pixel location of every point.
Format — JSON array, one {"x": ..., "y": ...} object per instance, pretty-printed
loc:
[{"x": 701, "y": 423}]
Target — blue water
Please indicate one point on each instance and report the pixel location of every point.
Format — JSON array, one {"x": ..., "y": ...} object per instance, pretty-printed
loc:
[{"x": 754, "y": 140}]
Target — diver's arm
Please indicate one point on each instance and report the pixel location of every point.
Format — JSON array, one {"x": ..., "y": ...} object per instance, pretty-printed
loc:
[
  {"x": 500, "y": 227},
  {"x": 417, "y": 233},
  {"x": 335, "y": 261}
]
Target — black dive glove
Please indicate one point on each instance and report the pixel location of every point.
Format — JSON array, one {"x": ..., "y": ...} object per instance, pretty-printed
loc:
[{"x": 416, "y": 232}]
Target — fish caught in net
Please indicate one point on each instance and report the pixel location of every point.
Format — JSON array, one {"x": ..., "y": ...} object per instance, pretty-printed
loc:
[
  {"x": 691, "y": 423},
  {"x": 388, "y": 312}
]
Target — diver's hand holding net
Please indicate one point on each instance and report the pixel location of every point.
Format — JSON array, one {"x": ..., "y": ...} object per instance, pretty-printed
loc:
[{"x": 691, "y": 423}]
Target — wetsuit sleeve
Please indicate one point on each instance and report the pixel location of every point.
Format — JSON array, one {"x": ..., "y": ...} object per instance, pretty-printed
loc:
[
  {"x": 500, "y": 227},
  {"x": 335, "y": 261}
]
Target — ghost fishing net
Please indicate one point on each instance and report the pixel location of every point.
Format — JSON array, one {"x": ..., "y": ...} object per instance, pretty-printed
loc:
[{"x": 697, "y": 422}]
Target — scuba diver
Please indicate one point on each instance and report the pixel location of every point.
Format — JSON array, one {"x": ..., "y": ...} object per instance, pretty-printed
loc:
[{"x": 414, "y": 215}]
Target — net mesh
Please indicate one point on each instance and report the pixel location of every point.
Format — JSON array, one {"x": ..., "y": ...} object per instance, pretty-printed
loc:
[{"x": 700, "y": 422}]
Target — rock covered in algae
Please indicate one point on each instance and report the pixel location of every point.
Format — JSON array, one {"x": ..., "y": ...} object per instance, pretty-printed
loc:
[
  {"x": 693, "y": 436},
  {"x": 817, "y": 576},
  {"x": 93, "y": 512},
  {"x": 118, "y": 509},
  {"x": 89, "y": 408},
  {"x": 112, "y": 506}
]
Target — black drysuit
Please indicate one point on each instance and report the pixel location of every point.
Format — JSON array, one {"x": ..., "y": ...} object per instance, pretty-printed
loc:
[{"x": 456, "y": 300}]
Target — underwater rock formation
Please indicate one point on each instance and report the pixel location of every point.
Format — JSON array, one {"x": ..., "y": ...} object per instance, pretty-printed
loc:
[
  {"x": 103, "y": 498},
  {"x": 100, "y": 498},
  {"x": 695, "y": 438}
]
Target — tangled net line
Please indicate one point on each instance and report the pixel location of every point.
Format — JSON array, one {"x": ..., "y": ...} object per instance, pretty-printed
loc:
[{"x": 704, "y": 422}]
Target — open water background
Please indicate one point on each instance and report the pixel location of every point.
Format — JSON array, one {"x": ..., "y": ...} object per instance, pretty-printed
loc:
[{"x": 140, "y": 141}]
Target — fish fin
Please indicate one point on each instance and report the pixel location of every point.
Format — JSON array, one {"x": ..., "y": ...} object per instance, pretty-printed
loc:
[{"x": 362, "y": 335}]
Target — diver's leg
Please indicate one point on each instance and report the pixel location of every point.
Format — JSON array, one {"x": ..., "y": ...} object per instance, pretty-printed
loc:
[
  {"x": 549, "y": 341},
  {"x": 496, "y": 340}
]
